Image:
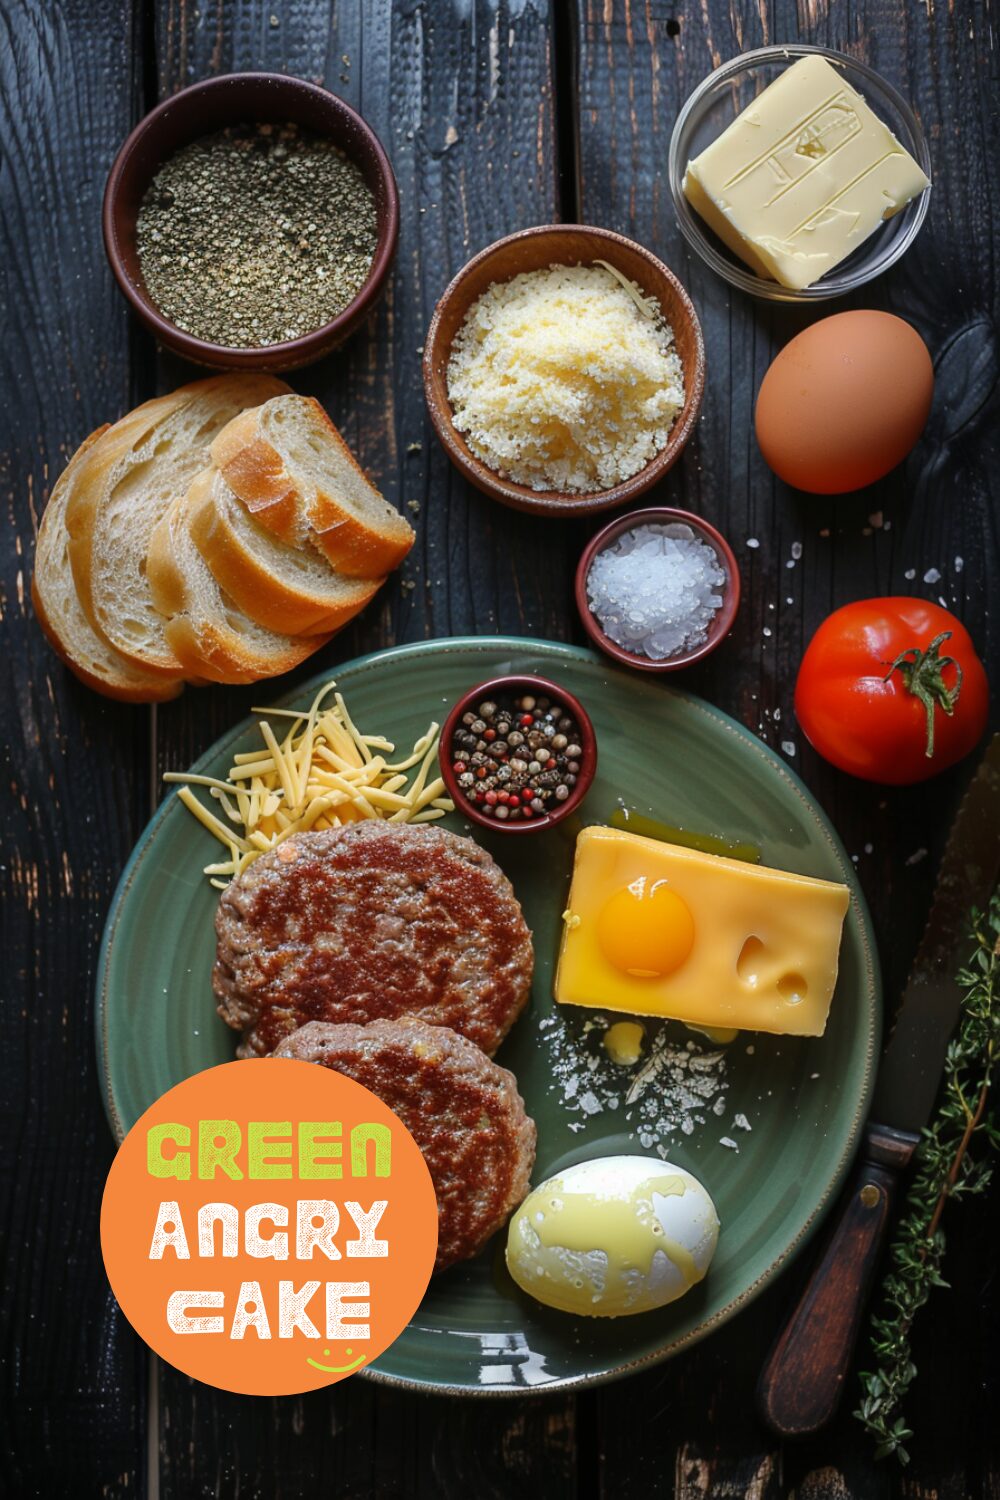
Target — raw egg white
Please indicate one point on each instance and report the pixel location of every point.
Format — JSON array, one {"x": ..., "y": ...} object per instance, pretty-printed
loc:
[{"x": 620, "y": 1234}]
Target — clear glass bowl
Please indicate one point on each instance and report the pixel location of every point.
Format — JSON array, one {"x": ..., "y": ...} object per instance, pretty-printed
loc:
[{"x": 723, "y": 95}]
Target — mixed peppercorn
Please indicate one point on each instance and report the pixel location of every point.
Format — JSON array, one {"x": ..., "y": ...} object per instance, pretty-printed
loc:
[{"x": 519, "y": 760}]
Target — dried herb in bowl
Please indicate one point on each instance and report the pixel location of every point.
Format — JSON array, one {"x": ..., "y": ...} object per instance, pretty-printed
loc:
[{"x": 256, "y": 235}]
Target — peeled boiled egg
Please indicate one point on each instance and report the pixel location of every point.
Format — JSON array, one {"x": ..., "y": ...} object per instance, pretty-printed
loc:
[
  {"x": 844, "y": 402},
  {"x": 619, "y": 1234}
]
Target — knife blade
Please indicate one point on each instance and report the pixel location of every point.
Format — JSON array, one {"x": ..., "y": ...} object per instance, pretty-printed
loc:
[
  {"x": 804, "y": 1376},
  {"x": 910, "y": 1071}
]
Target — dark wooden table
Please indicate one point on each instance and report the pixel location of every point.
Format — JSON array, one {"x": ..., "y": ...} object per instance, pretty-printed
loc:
[{"x": 495, "y": 115}]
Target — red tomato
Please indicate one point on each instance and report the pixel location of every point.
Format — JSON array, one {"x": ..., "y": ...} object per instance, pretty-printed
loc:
[{"x": 892, "y": 690}]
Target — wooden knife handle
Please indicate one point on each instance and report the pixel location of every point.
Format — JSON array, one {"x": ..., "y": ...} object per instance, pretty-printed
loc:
[{"x": 804, "y": 1376}]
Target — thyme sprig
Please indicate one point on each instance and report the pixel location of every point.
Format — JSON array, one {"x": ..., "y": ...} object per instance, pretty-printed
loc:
[{"x": 945, "y": 1168}]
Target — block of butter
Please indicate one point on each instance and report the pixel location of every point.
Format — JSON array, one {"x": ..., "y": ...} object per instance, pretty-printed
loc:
[
  {"x": 802, "y": 176},
  {"x": 655, "y": 929}
]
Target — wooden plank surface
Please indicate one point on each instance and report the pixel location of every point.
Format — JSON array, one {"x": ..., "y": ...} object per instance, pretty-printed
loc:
[
  {"x": 75, "y": 765},
  {"x": 463, "y": 95},
  {"x": 637, "y": 64}
]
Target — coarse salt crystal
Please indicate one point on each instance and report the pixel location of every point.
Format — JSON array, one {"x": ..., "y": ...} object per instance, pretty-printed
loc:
[{"x": 656, "y": 589}]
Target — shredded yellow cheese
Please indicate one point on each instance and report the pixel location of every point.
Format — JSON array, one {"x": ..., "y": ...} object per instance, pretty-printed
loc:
[{"x": 323, "y": 774}]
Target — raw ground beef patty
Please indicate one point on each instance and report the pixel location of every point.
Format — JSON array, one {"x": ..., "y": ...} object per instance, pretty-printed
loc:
[
  {"x": 370, "y": 922},
  {"x": 463, "y": 1111}
]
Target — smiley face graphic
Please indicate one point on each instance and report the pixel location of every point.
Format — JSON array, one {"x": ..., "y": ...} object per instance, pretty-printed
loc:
[{"x": 337, "y": 1369}]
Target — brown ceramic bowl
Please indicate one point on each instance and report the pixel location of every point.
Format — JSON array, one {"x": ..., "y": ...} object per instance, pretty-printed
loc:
[
  {"x": 508, "y": 687},
  {"x": 234, "y": 99},
  {"x": 533, "y": 250},
  {"x": 721, "y": 622}
]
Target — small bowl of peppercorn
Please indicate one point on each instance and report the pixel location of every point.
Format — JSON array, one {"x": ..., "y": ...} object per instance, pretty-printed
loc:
[
  {"x": 251, "y": 221},
  {"x": 518, "y": 754}
]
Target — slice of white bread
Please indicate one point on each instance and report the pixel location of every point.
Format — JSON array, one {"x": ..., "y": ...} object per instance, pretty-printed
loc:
[
  {"x": 53, "y": 592},
  {"x": 297, "y": 477},
  {"x": 209, "y": 634},
  {"x": 127, "y": 482},
  {"x": 293, "y": 590}
]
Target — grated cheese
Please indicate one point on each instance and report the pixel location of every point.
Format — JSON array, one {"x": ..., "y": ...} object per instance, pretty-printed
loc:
[
  {"x": 565, "y": 379},
  {"x": 323, "y": 774}
]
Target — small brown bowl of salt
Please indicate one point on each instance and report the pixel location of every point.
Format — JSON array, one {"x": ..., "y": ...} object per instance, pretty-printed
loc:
[
  {"x": 658, "y": 589},
  {"x": 264, "y": 164},
  {"x": 546, "y": 346}
]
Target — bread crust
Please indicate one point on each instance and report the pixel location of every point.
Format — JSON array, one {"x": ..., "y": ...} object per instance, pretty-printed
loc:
[
  {"x": 127, "y": 684},
  {"x": 123, "y": 690},
  {"x": 97, "y": 477},
  {"x": 206, "y": 650},
  {"x": 257, "y": 591},
  {"x": 256, "y": 473}
]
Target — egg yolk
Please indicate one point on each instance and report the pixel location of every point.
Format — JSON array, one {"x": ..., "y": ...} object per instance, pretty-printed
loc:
[{"x": 646, "y": 929}]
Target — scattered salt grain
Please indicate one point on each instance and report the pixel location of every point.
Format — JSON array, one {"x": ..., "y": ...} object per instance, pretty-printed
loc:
[
  {"x": 796, "y": 550},
  {"x": 788, "y": 746},
  {"x": 752, "y": 542},
  {"x": 741, "y": 1122},
  {"x": 725, "y": 1140},
  {"x": 656, "y": 589},
  {"x": 933, "y": 575},
  {"x": 910, "y": 573},
  {"x": 959, "y": 564},
  {"x": 673, "y": 1089}
]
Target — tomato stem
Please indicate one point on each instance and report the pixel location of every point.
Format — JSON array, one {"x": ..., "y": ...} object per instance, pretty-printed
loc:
[{"x": 923, "y": 676}]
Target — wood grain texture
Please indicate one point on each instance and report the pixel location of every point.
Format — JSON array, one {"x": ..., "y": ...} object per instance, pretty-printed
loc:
[
  {"x": 462, "y": 94},
  {"x": 461, "y": 98},
  {"x": 801, "y": 556},
  {"x": 74, "y": 764}
]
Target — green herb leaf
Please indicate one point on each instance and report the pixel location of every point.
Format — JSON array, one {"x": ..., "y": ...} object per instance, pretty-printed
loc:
[{"x": 945, "y": 1168}]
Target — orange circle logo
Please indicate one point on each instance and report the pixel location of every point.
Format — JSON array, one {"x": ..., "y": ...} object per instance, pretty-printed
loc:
[{"x": 269, "y": 1226}]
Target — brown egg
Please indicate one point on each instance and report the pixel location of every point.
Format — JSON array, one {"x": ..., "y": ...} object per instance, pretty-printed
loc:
[{"x": 844, "y": 402}]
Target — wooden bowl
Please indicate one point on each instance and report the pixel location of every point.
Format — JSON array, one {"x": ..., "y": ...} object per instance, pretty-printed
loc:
[
  {"x": 533, "y": 250},
  {"x": 235, "y": 99},
  {"x": 506, "y": 687},
  {"x": 721, "y": 622}
]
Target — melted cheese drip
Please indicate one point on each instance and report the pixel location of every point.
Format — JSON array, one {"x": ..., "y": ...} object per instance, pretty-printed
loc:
[
  {"x": 629, "y": 1231},
  {"x": 623, "y": 1042}
]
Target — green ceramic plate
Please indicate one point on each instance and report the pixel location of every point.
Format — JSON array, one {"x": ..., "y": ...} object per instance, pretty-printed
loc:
[{"x": 664, "y": 754}]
